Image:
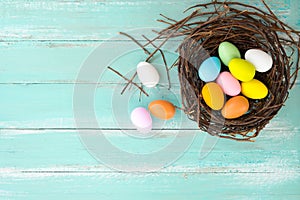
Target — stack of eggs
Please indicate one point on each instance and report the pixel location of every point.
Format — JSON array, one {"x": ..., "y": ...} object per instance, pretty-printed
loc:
[
  {"x": 238, "y": 83},
  {"x": 162, "y": 109}
]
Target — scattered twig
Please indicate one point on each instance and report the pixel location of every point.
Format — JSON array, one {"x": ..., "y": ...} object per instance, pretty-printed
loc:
[
  {"x": 180, "y": 24},
  {"x": 128, "y": 83},
  {"x": 134, "y": 40},
  {"x": 174, "y": 63},
  {"x": 164, "y": 60},
  {"x": 140, "y": 45},
  {"x": 118, "y": 73}
]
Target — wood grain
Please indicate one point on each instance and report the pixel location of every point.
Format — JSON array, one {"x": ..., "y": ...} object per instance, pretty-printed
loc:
[
  {"x": 45, "y": 106},
  {"x": 95, "y": 20},
  {"x": 43, "y": 45}
]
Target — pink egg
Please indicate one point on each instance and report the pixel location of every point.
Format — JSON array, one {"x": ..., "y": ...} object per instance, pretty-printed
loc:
[
  {"x": 141, "y": 119},
  {"x": 230, "y": 85}
]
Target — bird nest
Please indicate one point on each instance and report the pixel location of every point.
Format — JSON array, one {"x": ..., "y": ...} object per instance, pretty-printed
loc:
[{"x": 247, "y": 27}]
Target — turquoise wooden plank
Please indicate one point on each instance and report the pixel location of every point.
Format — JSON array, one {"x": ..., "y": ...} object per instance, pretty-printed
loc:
[
  {"x": 273, "y": 151},
  {"x": 96, "y": 20},
  {"x": 146, "y": 186},
  {"x": 81, "y": 20},
  {"x": 61, "y": 62},
  {"x": 38, "y": 111},
  {"x": 40, "y": 64},
  {"x": 34, "y": 61},
  {"x": 51, "y": 106},
  {"x": 44, "y": 43},
  {"x": 55, "y": 60}
]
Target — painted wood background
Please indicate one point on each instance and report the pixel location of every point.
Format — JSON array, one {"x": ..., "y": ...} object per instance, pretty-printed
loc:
[{"x": 42, "y": 47}]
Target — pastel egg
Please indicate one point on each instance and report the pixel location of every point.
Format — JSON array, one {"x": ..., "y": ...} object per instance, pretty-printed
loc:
[
  {"x": 162, "y": 109},
  {"x": 260, "y": 59},
  {"x": 209, "y": 69},
  {"x": 141, "y": 119},
  {"x": 227, "y": 51},
  {"x": 213, "y": 95},
  {"x": 241, "y": 69},
  {"x": 235, "y": 107},
  {"x": 147, "y": 74},
  {"x": 254, "y": 89},
  {"x": 230, "y": 85}
]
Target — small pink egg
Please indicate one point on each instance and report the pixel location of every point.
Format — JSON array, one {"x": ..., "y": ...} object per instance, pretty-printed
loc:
[
  {"x": 141, "y": 119},
  {"x": 230, "y": 85}
]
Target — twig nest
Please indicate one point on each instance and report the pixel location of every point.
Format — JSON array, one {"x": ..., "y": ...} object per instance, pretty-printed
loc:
[{"x": 246, "y": 27}]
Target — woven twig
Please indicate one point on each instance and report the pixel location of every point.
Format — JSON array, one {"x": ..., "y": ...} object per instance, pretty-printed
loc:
[{"x": 247, "y": 27}]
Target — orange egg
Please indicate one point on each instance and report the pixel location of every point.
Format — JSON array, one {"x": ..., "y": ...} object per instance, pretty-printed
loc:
[
  {"x": 235, "y": 107},
  {"x": 162, "y": 109},
  {"x": 213, "y": 95}
]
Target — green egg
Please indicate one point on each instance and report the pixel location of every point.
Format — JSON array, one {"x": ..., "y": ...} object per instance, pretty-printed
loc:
[{"x": 227, "y": 51}]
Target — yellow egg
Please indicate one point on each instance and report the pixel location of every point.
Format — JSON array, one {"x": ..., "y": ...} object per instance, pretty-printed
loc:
[
  {"x": 213, "y": 95},
  {"x": 254, "y": 89},
  {"x": 162, "y": 109},
  {"x": 235, "y": 107},
  {"x": 241, "y": 69}
]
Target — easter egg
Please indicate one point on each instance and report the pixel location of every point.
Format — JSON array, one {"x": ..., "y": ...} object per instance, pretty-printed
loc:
[
  {"x": 230, "y": 85},
  {"x": 162, "y": 109},
  {"x": 147, "y": 74},
  {"x": 213, "y": 95},
  {"x": 227, "y": 51},
  {"x": 260, "y": 59},
  {"x": 209, "y": 69},
  {"x": 254, "y": 89},
  {"x": 235, "y": 107},
  {"x": 241, "y": 69},
  {"x": 141, "y": 119}
]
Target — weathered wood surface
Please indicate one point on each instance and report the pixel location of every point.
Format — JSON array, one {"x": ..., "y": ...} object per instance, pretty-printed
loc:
[{"x": 42, "y": 47}]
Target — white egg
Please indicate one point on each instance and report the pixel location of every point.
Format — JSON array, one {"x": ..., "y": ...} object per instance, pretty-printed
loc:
[
  {"x": 260, "y": 59},
  {"x": 147, "y": 74}
]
